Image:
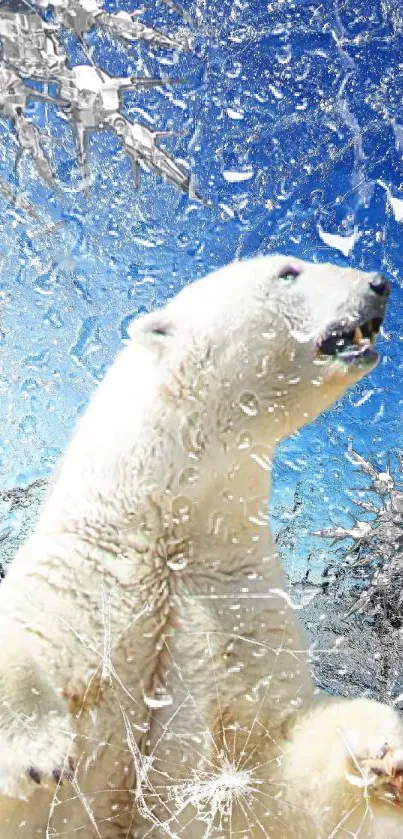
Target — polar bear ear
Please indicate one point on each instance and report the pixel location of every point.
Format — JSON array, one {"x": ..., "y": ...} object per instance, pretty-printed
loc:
[{"x": 154, "y": 327}]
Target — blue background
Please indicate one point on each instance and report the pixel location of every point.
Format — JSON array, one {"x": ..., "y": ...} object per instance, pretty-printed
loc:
[{"x": 303, "y": 102}]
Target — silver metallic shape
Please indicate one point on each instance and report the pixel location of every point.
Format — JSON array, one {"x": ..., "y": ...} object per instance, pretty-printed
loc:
[
  {"x": 29, "y": 45},
  {"x": 30, "y": 141},
  {"x": 124, "y": 27},
  {"x": 93, "y": 101},
  {"x": 88, "y": 96},
  {"x": 80, "y": 16},
  {"x": 141, "y": 146},
  {"x": 14, "y": 94}
]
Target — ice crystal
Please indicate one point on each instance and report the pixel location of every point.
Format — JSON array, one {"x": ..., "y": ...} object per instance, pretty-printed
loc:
[{"x": 86, "y": 95}]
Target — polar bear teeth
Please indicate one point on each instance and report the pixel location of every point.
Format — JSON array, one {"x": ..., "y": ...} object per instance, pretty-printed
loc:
[{"x": 359, "y": 338}]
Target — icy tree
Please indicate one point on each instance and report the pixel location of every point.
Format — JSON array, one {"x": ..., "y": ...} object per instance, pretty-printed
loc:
[
  {"x": 354, "y": 615},
  {"x": 372, "y": 560},
  {"x": 348, "y": 584},
  {"x": 19, "y": 508}
]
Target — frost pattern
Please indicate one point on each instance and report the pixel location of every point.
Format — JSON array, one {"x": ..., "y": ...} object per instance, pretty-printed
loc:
[
  {"x": 371, "y": 565},
  {"x": 356, "y": 602}
]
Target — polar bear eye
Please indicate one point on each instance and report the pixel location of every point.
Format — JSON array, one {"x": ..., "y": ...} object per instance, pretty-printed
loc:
[
  {"x": 289, "y": 272},
  {"x": 160, "y": 326},
  {"x": 161, "y": 329}
]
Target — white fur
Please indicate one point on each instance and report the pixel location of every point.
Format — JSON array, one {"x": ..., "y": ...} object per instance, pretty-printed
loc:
[{"x": 145, "y": 628}]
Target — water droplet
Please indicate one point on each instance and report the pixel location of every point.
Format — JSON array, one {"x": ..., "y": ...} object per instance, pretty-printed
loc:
[
  {"x": 237, "y": 176},
  {"x": 141, "y": 727},
  {"x": 216, "y": 522},
  {"x": 188, "y": 476},
  {"x": 260, "y": 519},
  {"x": 191, "y": 435},
  {"x": 244, "y": 440},
  {"x": 262, "y": 457},
  {"x": 181, "y": 508},
  {"x": 262, "y": 366},
  {"x": 53, "y": 318},
  {"x": 177, "y": 562},
  {"x": 158, "y": 700},
  {"x": 249, "y": 403}
]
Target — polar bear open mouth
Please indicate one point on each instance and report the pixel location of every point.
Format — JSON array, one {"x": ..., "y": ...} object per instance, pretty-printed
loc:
[{"x": 351, "y": 342}]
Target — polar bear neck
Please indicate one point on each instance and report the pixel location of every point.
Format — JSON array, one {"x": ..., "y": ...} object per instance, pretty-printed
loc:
[
  {"x": 207, "y": 508},
  {"x": 152, "y": 474}
]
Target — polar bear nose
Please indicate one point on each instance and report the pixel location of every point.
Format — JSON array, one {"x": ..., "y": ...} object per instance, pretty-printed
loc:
[{"x": 380, "y": 286}]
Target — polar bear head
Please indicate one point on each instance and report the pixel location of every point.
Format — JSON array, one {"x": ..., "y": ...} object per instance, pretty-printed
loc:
[
  {"x": 211, "y": 383},
  {"x": 267, "y": 344}
]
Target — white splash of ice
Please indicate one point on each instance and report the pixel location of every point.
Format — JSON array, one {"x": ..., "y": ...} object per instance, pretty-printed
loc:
[
  {"x": 396, "y": 204},
  {"x": 345, "y": 244},
  {"x": 397, "y": 207},
  {"x": 233, "y": 176}
]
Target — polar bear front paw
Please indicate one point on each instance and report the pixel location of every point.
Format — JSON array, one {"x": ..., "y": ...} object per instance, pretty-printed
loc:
[
  {"x": 36, "y": 728},
  {"x": 39, "y": 753},
  {"x": 383, "y": 774},
  {"x": 343, "y": 765}
]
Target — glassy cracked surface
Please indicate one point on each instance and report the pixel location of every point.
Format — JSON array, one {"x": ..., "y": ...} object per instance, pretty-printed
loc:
[{"x": 142, "y": 148}]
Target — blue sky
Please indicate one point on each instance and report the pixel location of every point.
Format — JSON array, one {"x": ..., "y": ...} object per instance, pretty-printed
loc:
[{"x": 293, "y": 128}]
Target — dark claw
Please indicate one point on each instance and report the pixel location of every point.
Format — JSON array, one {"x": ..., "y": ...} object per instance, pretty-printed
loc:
[
  {"x": 69, "y": 773},
  {"x": 34, "y": 774},
  {"x": 397, "y": 768},
  {"x": 378, "y": 770},
  {"x": 57, "y": 776},
  {"x": 382, "y": 752}
]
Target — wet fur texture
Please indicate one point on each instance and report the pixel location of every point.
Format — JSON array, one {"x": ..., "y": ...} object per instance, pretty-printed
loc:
[{"x": 154, "y": 679}]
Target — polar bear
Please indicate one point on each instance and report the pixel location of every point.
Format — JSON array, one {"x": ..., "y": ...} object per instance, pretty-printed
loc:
[{"x": 154, "y": 678}]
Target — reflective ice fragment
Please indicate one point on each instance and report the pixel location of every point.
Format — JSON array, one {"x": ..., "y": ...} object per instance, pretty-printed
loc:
[
  {"x": 81, "y": 16},
  {"x": 397, "y": 207},
  {"x": 345, "y": 244},
  {"x": 125, "y": 26},
  {"x": 90, "y": 97},
  {"x": 29, "y": 44},
  {"x": 14, "y": 95},
  {"x": 141, "y": 145},
  {"x": 234, "y": 114},
  {"x": 234, "y": 176}
]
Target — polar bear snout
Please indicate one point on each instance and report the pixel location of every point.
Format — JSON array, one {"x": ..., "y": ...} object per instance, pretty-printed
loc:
[
  {"x": 380, "y": 286},
  {"x": 352, "y": 337}
]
